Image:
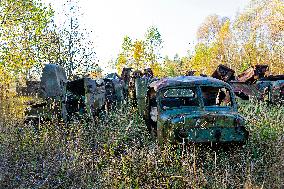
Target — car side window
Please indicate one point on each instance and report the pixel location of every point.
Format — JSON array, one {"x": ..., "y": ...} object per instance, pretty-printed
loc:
[{"x": 216, "y": 96}]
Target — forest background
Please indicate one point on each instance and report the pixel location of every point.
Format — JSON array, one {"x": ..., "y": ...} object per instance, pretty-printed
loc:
[{"x": 29, "y": 38}]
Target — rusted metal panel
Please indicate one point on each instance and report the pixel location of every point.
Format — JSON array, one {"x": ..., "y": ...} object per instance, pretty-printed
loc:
[
  {"x": 245, "y": 91},
  {"x": 53, "y": 82},
  {"x": 85, "y": 95},
  {"x": 131, "y": 88},
  {"x": 51, "y": 102},
  {"x": 115, "y": 90},
  {"x": 251, "y": 75},
  {"x": 141, "y": 85},
  {"x": 277, "y": 92},
  {"x": 125, "y": 76},
  {"x": 253, "y": 83},
  {"x": 224, "y": 73},
  {"x": 64, "y": 99}
]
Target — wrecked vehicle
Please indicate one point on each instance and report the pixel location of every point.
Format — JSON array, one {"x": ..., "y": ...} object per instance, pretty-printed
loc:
[
  {"x": 62, "y": 99},
  {"x": 125, "y": 76},
  {"x": 129, "y": 77},
  {"x": 253, "y": 83},
  {"x": 115, "y": 89},
  {"x": 85, "y": 95},
  {"x": 224, "y": 73},
  {"x": 269, "y": 88},
  {"x": 141, "y": 87},
  {"x": 132, "y": 87},
  {"x": 30, "y": 88},
  {"x": 51, "y": 102},
  {"x": 138, "y": 84},
  {"x": 193, "y": 109}
]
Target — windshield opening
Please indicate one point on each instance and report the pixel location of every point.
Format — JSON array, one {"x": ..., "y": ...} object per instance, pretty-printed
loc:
[
  {"x": 179, "y": 97},
  {"x": 216, "y": 96}
]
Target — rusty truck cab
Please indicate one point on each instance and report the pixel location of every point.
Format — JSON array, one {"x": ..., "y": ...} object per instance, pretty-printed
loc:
[{"x": 193, "y": 109}]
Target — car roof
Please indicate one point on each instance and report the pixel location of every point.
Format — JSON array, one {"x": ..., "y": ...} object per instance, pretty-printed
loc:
[{"x": 187, "y": 81}]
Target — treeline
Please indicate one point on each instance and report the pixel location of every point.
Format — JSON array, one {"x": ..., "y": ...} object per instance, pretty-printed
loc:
[
  {"x": 29, "y": 38},
  {"x": 254, "y": 36}
]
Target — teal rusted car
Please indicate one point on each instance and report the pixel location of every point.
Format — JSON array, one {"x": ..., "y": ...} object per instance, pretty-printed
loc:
[{"x": 193, "y": 109}]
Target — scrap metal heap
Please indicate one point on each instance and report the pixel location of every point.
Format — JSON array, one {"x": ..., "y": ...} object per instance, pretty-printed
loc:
[
  {"x": 131, "y": 79},
  {"x": 51, "y": 102},
  {"x": 60, "y": 99},
  {"x": 85, "y": 95},
  {"x": 196, "y": 109},
  {"x": 224, "y": 73},
  {"x": 253, "y": 83}
]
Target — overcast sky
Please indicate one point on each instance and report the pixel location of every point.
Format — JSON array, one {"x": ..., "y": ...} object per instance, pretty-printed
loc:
[{"x": 177, "y": 21}]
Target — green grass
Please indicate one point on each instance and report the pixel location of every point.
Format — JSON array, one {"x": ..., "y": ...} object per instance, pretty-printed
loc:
[{"x": 116, "y": 151}]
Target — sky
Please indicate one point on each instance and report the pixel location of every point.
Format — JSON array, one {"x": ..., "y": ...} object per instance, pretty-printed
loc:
[{"x": 176, "y": 20}]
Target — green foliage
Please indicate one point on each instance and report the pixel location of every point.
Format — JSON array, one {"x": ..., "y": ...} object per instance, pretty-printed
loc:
[
  {"x": 76, "y": 54},
  {"x": 265, "y": 121},
  {"x": 23, "y": 24},
  {"x": 138, "y": 53},
  {"x": 23, "y": 37}
]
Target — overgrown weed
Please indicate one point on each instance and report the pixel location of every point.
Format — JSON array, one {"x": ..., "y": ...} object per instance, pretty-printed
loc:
[{"x": 116, "y": 151}]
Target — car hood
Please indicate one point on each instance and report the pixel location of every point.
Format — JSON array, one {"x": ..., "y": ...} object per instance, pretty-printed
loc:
[{"x": 203, "y": 118}]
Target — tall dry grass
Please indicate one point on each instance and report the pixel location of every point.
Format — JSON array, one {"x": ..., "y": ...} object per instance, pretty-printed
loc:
[{"x": 116, "y": 151}]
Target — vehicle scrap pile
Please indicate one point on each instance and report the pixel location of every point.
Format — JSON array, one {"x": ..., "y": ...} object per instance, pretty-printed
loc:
[
  {"x": 136, "y": 83},
  {"x": 65, "y": 99},
  {"x": 192, "y": 108},
  {"x": 253, "y": 83}
]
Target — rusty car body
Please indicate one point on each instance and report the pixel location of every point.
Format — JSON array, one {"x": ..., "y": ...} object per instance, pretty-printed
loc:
[
  {"x": 115, "y": 90},
  {"x": 224, "y": 73},
  {"x": 130, "y": 77},
  {"x": 85, "y": 95},
  {"x": 125, "y": 76},
  {"x": 50, "y": 103},
  {"x": 253, "y": 83},
  {"x": 63, "y": 99},
  {"x": 193, "y": 109},
  {"x": 132, "y": 87}
]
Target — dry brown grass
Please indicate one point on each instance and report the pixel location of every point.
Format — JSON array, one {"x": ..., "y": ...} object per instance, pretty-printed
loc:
[{"x": 117, "y": 152}]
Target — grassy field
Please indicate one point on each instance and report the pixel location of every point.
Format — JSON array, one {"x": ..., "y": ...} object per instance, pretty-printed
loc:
[{"x": 116, "y": 151}]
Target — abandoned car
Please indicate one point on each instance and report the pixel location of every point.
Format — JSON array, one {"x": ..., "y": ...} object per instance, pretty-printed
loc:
[
  {"x": 85, "y": 95},
  {"x": 115, "y": 89},
  {"x": 193, "y": 109},
  {"x": 62, "y": 99},
  {"x": 51, "y": 101}
]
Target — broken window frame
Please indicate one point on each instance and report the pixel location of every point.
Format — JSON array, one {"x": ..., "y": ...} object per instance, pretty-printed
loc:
[
  {"x": 199, "y": 97},
  {"x": 231, "y": 102}
]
